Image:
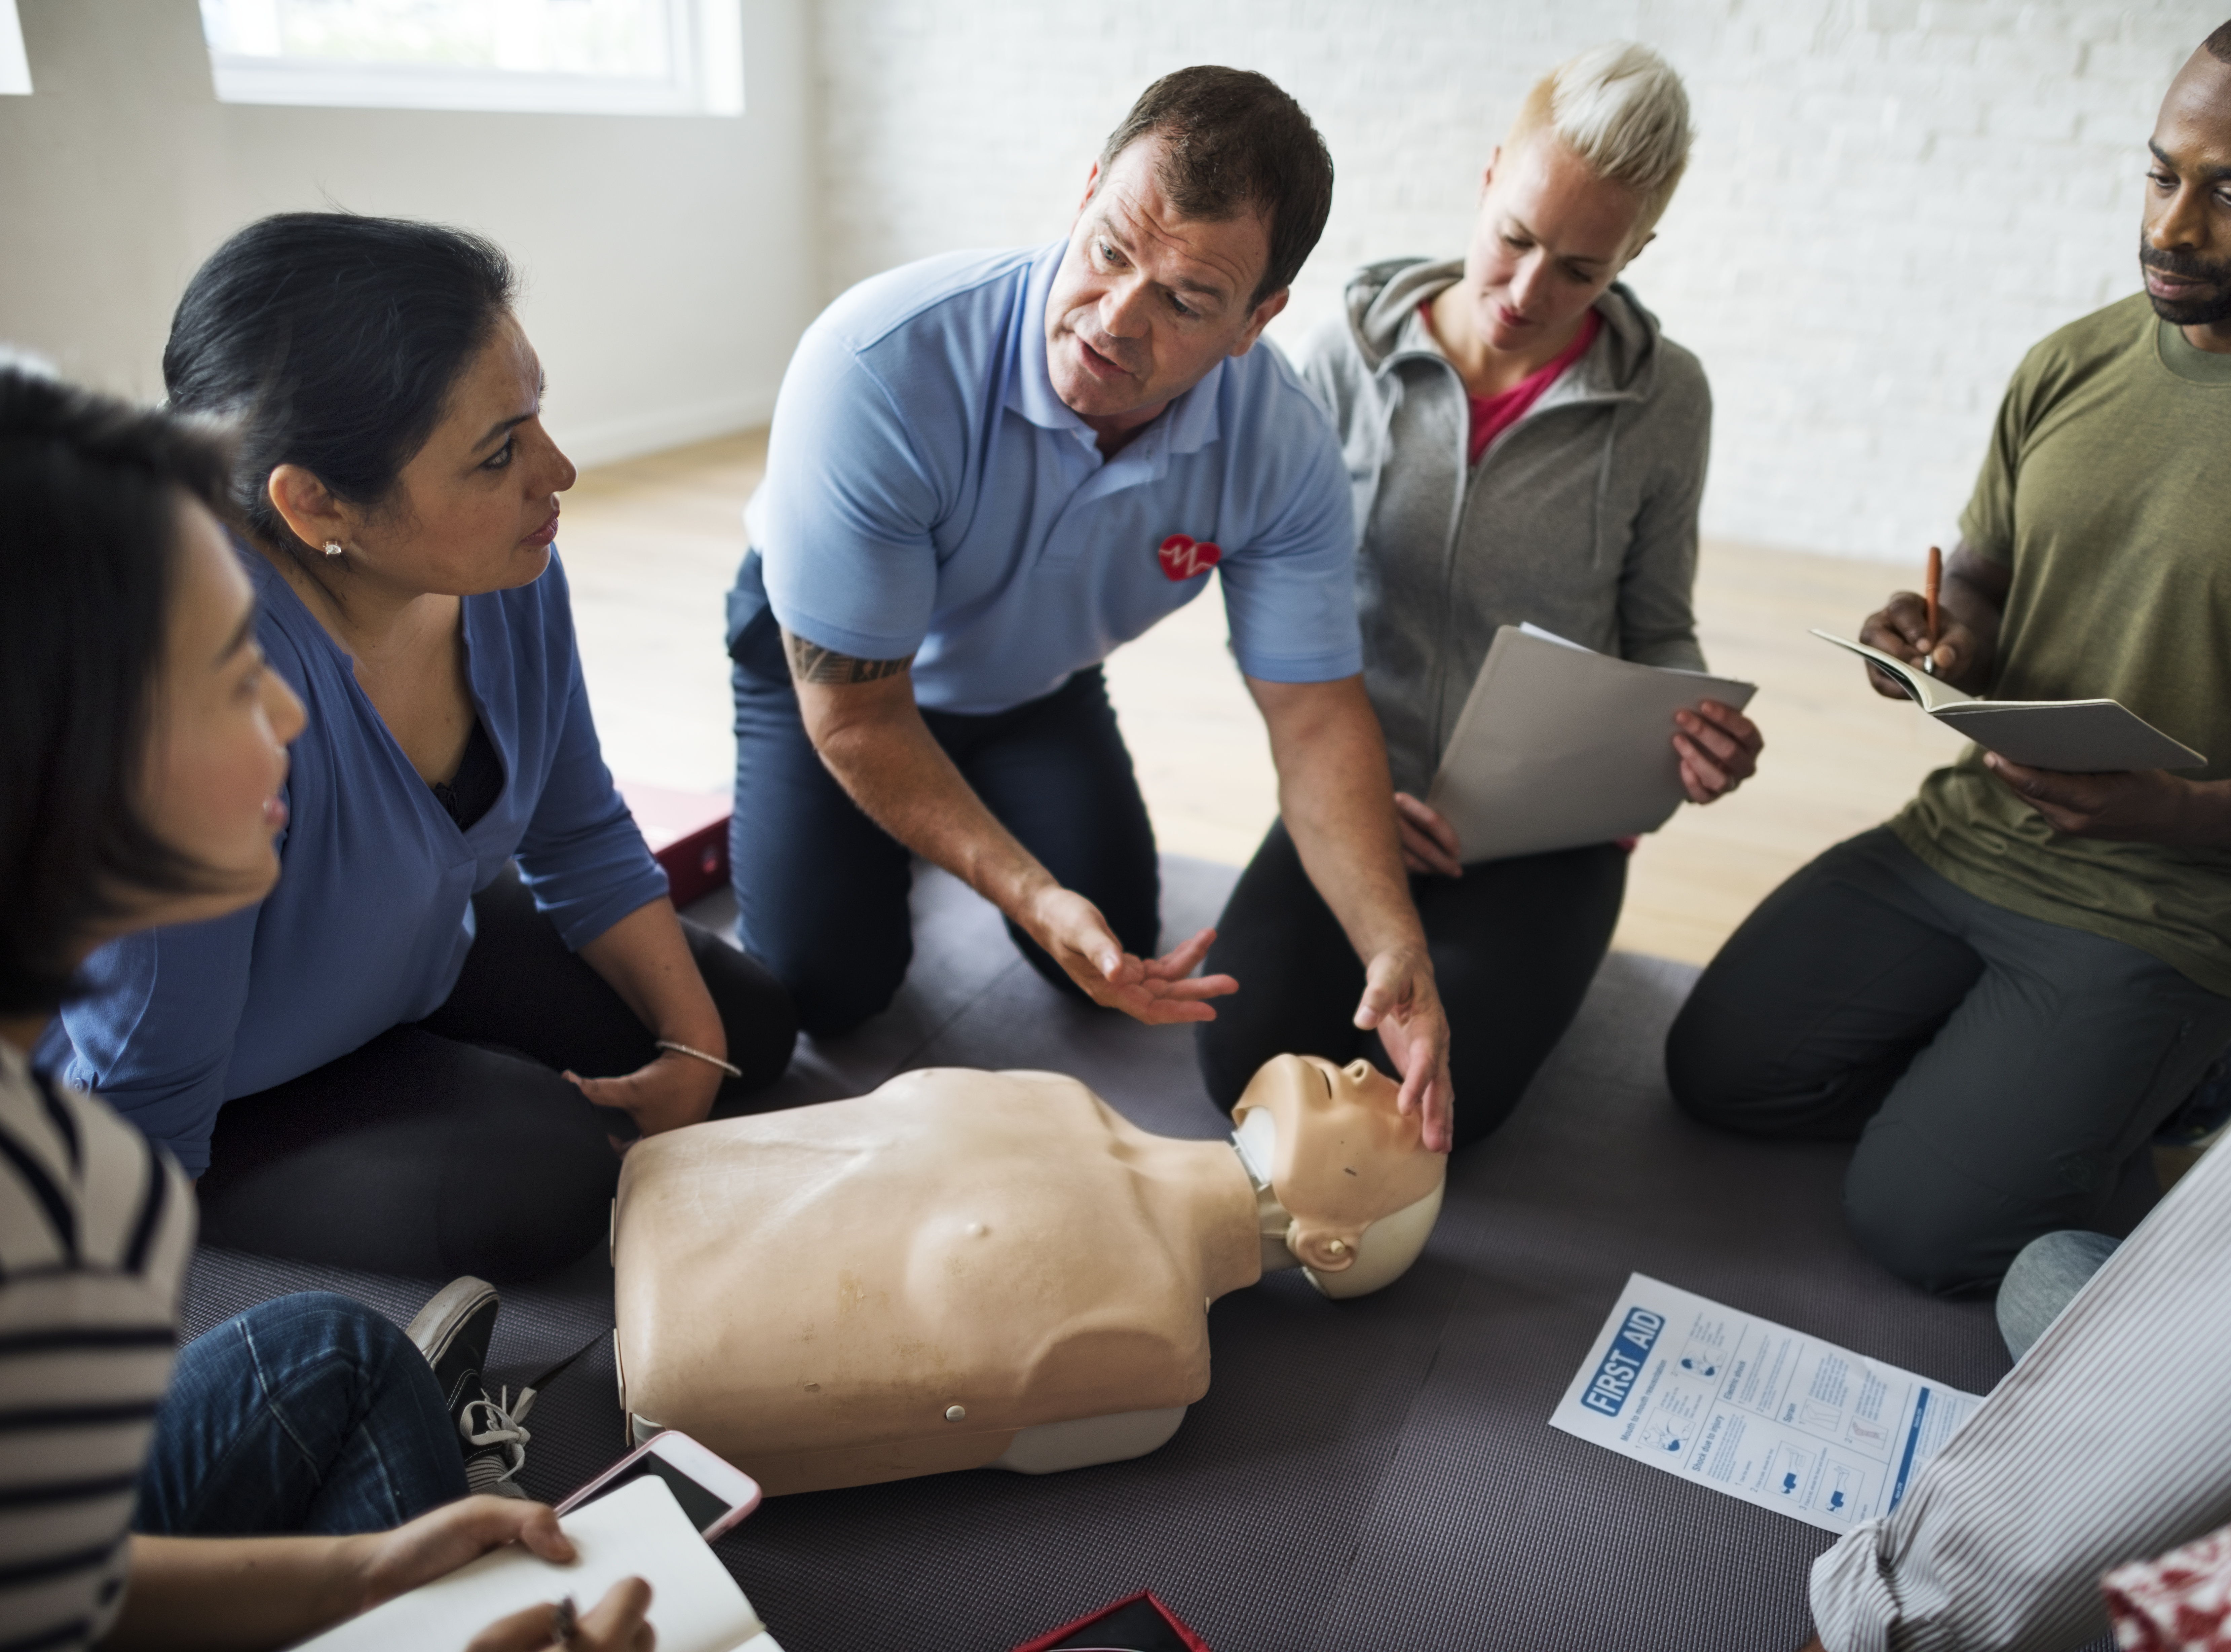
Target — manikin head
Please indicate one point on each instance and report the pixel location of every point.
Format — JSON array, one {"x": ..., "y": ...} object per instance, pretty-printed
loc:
[
  {"x": 1347, "y": 1165},
  {"x": 1574, "y": 192}
]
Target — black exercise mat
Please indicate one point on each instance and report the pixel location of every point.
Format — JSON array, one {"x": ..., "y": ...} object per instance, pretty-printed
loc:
[{"x": 1378, "y": 1473}]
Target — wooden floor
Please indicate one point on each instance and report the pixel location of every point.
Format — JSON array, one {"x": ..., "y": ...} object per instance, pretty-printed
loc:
[{"x": 652, "y": 547}]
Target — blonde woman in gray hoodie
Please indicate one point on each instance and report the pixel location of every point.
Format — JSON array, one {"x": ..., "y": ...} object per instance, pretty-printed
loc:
[{"x": 1524, "y": 443}]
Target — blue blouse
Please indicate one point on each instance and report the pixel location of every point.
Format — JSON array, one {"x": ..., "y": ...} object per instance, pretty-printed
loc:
[{"x": 373, "y": 915}]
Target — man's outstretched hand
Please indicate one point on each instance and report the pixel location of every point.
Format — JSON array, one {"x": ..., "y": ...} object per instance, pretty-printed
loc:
[
  {"x": 1401, "y": 1001},
  {"x": 1157, "y": 991}
]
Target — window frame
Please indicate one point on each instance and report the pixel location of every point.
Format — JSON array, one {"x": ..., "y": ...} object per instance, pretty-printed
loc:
[
  {"x": 15, "y": 64},
  {"x": 708, "y": 78}
]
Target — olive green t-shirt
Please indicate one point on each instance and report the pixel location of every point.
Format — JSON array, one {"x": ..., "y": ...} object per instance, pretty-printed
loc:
[{"x": 2108, "y": 490}]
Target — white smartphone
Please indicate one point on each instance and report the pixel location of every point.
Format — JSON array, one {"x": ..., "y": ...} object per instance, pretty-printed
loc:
[{"x": 713, "y": 1494}]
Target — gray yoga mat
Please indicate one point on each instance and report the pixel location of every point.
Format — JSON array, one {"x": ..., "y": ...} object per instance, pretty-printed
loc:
[{"x": 1375, "y": 1473}]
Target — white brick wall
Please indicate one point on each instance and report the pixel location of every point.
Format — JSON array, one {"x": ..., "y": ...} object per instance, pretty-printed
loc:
[{"x": 1890, "y": 200}]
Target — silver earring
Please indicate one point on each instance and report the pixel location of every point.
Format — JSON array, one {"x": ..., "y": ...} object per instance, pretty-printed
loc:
[{"x": 335, "y": 548}]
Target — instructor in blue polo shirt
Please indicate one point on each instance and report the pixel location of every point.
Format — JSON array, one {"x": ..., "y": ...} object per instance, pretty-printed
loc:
[{"x": 987, "y": 472}]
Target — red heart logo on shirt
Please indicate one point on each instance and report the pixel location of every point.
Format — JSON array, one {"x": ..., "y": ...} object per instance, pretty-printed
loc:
[{"x": 1186, "y": 558}]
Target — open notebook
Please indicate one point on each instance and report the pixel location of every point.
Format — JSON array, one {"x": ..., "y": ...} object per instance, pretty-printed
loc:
[
  {"x": 1559, "y": 745},
  {"x": 2074, "y": 736},
  {"x": 638, "y": 1530}
]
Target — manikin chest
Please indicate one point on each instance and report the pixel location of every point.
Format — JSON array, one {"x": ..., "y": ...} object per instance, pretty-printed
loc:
[{"x": 905, "y": 1283}]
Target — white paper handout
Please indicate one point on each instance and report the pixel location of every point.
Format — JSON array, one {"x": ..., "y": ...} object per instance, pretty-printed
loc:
[
  {"x": 1559, "y": 745},
  {"x": 638, "y": 1530},
  {"x": 1757, "y": 1410}
]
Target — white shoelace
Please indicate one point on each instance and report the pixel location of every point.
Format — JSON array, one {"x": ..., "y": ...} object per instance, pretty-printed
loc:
[{"x": 499, "y": 1422}]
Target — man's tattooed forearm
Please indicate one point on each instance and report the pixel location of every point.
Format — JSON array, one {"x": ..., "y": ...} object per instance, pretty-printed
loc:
[{"x": 811, "y": 663}]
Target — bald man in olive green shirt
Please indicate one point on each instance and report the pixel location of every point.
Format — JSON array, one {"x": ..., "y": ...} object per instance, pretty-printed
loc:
[{"x": 2005, "y": 991}]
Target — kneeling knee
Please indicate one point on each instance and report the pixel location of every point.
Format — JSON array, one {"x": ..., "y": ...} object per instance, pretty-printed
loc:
[
  {"x": 322, "y": 1321},
  {"x": 1933, "y": 1244},
  {"x": 834, "y": 1007},
  {"x": 1706, "y": 1067},
  {"x": 832, "y": 991}
]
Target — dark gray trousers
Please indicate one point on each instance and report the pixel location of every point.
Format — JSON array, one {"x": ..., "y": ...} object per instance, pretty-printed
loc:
[{"x": 2002, "y": 1076}]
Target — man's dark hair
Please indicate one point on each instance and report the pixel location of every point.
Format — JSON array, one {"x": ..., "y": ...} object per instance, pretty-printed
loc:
[
  {"x": 1233, "y": 142},
  {"x": 332, "y": 341},
  {"x": 2219, "y": 43},
  {"x": 90, "y": 491}
]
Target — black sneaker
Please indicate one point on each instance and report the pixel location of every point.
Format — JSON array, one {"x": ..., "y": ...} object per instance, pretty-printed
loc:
[{"x": 453, "y": 1332}]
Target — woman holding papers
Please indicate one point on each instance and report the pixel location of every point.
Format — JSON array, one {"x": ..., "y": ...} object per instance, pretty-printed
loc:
[
  {"x": 1525, "y": 445},
  {"x": 143, "y": 746}
]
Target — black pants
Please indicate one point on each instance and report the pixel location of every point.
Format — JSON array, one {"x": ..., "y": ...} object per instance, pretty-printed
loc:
[
  {"x": 821, "y": 889},
  {"x": 2002, "y": 1076},
  {"x": 454, "y": 1145},
  {"x": 1514, "y": 944}
]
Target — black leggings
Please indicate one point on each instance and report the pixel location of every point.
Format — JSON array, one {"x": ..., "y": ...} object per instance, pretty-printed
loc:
[
  {"x": 1514, "y": 944},
  {"x": 453, "y": 1145}
]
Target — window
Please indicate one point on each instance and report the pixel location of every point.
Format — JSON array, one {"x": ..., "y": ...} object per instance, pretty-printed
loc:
[
  {"x": 15, "y": 67},
  {"x": 561, "y": 56}
]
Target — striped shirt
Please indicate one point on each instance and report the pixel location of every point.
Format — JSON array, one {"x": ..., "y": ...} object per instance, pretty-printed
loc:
[
  {"x": 95, "y": 1229},
  {"x": 2107, "y": 1443}
]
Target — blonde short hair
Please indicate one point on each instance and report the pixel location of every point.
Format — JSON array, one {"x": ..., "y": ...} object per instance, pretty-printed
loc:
[{"x": 1620, "y": 108}]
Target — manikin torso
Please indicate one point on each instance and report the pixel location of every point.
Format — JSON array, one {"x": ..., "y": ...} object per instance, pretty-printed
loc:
[{"x": 967, "y": 1268}]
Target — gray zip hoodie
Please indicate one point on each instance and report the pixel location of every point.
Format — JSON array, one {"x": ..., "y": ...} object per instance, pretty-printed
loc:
[{"x": 1582, "y": 517}]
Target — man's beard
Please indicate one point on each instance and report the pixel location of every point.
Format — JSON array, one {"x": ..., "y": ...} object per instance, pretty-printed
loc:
[{"x": 2189, "y": 312}]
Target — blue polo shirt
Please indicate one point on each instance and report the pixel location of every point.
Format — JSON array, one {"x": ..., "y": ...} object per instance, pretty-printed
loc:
[{"x": 928, "y": 493}]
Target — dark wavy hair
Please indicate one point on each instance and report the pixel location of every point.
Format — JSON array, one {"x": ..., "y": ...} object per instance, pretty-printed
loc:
[
  {"x": 90, "y": 491},
  {"x": 332, "y": 341},
  {"x": 1234, "y": 141}
]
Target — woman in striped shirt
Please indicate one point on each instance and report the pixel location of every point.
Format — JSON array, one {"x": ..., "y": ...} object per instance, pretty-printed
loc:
[{"x": 142, "y": 746}]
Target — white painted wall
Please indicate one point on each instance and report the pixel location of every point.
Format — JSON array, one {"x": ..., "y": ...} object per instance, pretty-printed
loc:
[
  {"x": 1890, "y": 200},
  {"x": 670, "y": 263}
]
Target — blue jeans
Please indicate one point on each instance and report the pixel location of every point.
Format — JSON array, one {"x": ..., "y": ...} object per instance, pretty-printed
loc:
[
  {"x": 2045, "y": 1279},
  {"x": 309, "y": 1414},
  {"x": 822, "y": 890}
]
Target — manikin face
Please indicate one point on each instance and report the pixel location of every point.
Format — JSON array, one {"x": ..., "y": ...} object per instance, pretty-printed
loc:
[
  {"x": 1147, "y": 301},
  {"x": 1549, "y": 236},
  {"x": 1346, "y": 1158},
  {"x": 2184, "y": 250}
]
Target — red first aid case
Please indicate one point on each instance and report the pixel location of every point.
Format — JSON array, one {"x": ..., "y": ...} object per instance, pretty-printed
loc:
[
  {"x": 687, "y": 832},
  {"x": 1137, "y": 1623}
]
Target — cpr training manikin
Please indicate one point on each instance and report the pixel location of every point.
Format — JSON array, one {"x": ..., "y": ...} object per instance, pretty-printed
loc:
[{"x": 969, "y": 1269}]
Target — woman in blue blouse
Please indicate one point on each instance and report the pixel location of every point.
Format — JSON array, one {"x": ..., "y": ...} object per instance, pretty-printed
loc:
[{"x": 411, "y": 1057}]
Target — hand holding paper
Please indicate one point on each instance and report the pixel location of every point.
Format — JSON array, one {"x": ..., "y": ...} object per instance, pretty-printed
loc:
[
  {"x": 2141, "y": 805},
  {"x": 1558, "y": 746},
  {"x": 617, "y": 1624},
  {"x": 507, "y": 1601},
  {"x": 1718, "y": 747},
  {"x": 1430, "y": 844}
]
